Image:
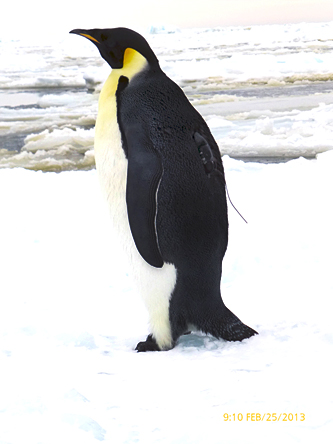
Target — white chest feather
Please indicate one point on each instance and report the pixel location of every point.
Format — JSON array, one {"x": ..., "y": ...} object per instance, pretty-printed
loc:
[
  {"x": 111, "y": 162},
  {"x": 154, "y": 284}
]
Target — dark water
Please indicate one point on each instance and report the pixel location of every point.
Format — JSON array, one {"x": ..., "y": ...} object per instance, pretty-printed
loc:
[{"x": 276, "y": 91}]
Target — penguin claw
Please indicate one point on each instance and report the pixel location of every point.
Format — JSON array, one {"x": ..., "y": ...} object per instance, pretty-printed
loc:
[{"x": 148, "y": 345}]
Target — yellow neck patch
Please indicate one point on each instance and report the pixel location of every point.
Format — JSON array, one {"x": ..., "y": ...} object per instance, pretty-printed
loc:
[{"x": 134, "y": 63}]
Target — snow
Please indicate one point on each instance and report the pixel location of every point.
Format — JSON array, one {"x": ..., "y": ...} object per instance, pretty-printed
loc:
[{"x": 70, "y": 318}]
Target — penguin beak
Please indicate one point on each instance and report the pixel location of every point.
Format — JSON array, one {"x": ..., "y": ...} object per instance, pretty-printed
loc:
[
  {"x": 111, "y": 52},
  {"x": 84, "y": 33}
]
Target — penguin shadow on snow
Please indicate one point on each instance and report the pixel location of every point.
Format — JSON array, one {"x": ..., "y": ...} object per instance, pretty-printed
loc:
[{"x": 196, "y": 340}]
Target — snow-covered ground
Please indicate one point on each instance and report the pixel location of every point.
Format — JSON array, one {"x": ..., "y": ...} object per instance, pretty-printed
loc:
[{"x": 70, "y": 319}]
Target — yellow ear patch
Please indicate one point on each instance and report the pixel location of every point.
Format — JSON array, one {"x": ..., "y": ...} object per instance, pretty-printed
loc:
[
  {"x": 89, "y": 37},
  {"x": 133, "y": 62},
  {"x": 129, "y": 56}
]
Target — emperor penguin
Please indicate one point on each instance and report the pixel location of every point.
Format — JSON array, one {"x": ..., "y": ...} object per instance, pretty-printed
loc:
[{"x": 162, "y": 174}]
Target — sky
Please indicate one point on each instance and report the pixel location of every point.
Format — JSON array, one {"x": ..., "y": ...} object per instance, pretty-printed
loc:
[{"x": 35, "y": 17}]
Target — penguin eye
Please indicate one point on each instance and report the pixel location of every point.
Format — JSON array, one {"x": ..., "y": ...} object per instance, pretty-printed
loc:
[{"x": 104, "y": 37}]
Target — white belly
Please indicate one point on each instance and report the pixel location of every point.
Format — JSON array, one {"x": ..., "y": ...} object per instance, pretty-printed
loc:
[{"x": 154, "y": 284}]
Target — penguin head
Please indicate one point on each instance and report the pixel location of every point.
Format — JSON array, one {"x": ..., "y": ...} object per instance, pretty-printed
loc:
[{"x": 113, "y": 43}]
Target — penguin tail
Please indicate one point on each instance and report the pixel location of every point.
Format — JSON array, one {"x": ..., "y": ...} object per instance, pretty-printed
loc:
[
  {"x": 227, "y": 326},
  {"x": 235, "y": 330}
]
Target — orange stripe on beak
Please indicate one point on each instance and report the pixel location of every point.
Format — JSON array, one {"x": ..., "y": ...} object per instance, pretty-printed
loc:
[{"x": 89, "y": 37}]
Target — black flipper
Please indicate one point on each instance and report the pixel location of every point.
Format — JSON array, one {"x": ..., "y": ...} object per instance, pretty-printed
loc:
[{"x": 144, "y": 174}]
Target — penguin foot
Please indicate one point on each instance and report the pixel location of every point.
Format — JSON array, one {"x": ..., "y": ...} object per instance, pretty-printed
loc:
[{"x": 148, "y": 345}]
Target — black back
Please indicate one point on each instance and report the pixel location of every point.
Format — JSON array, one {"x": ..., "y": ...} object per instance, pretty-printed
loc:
[{"x": 192, "y": 225}]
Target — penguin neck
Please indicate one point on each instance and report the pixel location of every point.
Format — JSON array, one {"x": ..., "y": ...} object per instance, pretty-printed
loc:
[
  {"x": 134, "y": 63},
  {"x": 106, "y": 129}
]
